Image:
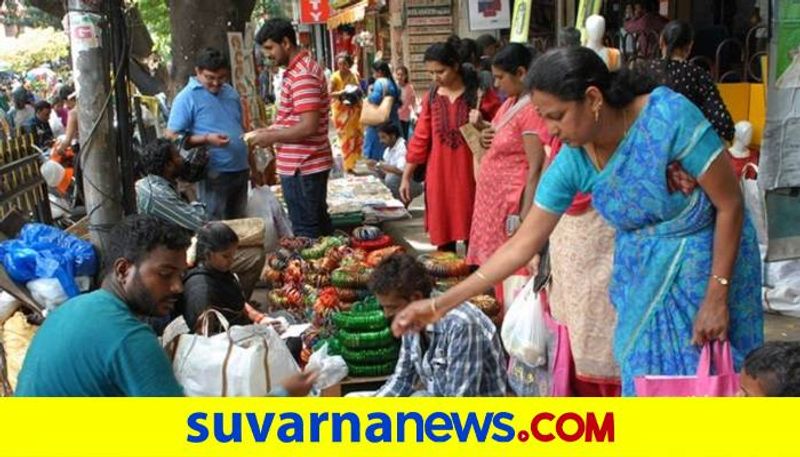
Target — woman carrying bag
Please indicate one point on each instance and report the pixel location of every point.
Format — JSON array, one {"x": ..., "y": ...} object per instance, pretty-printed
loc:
[
  {"x": 380, "y": 107},
  {"x": 438, "y": 144}
]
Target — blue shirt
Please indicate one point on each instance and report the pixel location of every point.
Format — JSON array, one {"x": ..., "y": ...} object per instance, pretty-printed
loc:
[
  {"x": 93, "y": 346},
  {"x": 373, "y": 149},
  {"x": 197, "y": 111}
]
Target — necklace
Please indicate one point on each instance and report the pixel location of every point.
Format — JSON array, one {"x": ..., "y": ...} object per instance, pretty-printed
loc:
[{"x": 592, "y": 149}]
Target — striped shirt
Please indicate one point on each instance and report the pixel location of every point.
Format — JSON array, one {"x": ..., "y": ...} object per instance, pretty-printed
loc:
[
  {"x": 304, "y": 89},
  {"x": 155, "y": 196},
  {"x": 464, "y": 358}
]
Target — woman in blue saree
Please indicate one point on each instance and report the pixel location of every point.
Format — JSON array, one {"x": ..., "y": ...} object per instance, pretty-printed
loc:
[{"x": 686, "y": 267}]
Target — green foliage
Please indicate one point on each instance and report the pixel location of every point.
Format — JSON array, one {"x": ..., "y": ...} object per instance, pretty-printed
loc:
[
  {"x": 270, "y": 8},
  {"x": 34, "y": 48},
  {"x": 31, "y": 16},
  {"x": 155, "y": 14}
]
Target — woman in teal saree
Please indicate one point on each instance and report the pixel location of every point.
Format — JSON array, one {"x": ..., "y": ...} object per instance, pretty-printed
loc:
[{"x": 686, "y": 267}]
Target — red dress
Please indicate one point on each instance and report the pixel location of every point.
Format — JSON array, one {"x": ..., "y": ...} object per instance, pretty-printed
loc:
[
  {"x": 449, "y": 180},
  {"x": 501, "y": 181}
]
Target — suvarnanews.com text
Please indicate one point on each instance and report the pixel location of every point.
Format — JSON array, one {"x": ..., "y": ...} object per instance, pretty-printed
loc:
[{"x": 401, "y": 427}]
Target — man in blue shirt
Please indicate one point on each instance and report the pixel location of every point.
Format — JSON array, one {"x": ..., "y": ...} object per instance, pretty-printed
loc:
[
  {"x": 209, "y": 111},
  {"x": 93, "y": 345}
]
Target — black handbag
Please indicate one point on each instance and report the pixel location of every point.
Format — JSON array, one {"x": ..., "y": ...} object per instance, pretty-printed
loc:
[{"x": 195, "y": 161}]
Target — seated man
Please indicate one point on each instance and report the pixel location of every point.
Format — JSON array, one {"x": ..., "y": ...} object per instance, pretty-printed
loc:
[
  {"x": 394, "y": 161},
  {"x": 458, "y": 356},
  {"x": 94, "y": 346},
  {"x": 157, "y": 195},
  {"x": 39, "y": 125}
]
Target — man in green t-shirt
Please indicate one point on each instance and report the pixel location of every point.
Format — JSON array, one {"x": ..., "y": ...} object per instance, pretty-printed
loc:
[{"x": 93, "y": 345}]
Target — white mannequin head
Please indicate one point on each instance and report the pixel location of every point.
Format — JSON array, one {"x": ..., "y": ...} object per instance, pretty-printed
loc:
[
  {"x": 742, "y": 139},
  {"x": 595, "y": 29}
]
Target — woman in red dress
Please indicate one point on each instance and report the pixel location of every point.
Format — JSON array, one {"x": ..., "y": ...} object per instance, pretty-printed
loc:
[
  {"x": 510, "y": 169},
  {"x": 437, "y": 143}
]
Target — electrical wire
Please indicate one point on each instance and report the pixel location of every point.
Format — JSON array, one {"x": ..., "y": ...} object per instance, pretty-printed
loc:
[{"x": 85, "y": 149}]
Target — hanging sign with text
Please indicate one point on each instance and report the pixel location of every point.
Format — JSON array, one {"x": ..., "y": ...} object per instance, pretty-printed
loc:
[{"x": 314, "y": 11}]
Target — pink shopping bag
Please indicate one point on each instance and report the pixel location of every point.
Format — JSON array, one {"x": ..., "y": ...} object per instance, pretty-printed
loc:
[
  {"x": 561, "y": 367},
  {"x": 725, "y": 383}
]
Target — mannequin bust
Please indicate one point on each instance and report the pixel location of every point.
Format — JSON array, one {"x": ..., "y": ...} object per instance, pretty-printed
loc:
[
  {"x": 741, "y": 154},
  {"x": 595, "y": 31},
  {"x": 742, "y": 139}
]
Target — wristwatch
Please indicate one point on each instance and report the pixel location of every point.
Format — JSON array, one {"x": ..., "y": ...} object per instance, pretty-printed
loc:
[
  {"x": 721, "y": 280},
  {"x": 379, "y": 165}
]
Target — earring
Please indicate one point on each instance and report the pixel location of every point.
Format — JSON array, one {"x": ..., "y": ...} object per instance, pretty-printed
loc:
[{"x": 597, "y": 115}]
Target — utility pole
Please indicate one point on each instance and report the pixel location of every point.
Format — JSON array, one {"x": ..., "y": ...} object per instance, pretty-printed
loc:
[
  {"x": 124, "y": 133},
  {"x": 98, "y": 157}
]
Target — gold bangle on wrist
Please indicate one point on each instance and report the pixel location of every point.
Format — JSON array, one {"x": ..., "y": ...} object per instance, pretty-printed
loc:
[{"x": 433, "y": 306}]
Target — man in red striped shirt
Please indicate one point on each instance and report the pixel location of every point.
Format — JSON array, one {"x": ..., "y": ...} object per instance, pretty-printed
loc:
[{"x": 300, "y": 131}]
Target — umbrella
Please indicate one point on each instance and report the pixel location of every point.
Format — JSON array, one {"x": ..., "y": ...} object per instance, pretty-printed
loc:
[{"x": 42, "y": 74}]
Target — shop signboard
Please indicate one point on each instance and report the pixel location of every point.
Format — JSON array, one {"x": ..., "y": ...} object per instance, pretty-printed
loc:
[
  {"x": 430, "y": 11},
  {"x": 314, "y": 11},
  {"x": 426, "y": 3},
  {"x": 429, "y": 38},
  {"x": 427, "y": 31},
  {"x": 489, "y": 14},
  {"x": 426, "y": 21},
  {"x": 521, "y": 24}
]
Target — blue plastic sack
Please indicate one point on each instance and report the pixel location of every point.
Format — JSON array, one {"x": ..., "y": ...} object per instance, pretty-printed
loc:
[{"x": 42, "y": 251}]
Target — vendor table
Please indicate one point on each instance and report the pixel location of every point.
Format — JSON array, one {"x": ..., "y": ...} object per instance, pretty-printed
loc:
[{"x": 354, "y": 200}]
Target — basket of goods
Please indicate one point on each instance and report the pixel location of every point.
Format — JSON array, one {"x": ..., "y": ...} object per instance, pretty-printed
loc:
[
  {"x": 489, "y": 306},
  {"x": 370, "y": 238},
  {"x": 444, "y": 265},
  {"x": 365, "y": 339}
]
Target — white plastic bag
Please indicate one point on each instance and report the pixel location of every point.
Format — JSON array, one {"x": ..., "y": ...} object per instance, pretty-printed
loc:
[
  {"x": 243, "y": 361},
  {"x": 524, "y": 332},
  {"x": 263, "y": 204},
  {"x": 331, "y": 368},
  {"x": 8, "y": 306},
  {"x": 49, "y": 293}
]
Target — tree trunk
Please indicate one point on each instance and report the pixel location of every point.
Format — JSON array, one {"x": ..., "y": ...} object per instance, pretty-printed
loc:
[{"x": 198, "y": 24}]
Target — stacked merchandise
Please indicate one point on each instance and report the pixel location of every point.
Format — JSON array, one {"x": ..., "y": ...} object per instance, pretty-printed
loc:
[
  {"x": 363, "y": 338},
  {"x": 315, "y": 279},
  {"x": 448, "y": 269}
]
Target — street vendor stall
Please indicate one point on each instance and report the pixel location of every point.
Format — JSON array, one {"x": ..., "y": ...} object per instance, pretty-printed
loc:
[{"x": 353, "y": 200}]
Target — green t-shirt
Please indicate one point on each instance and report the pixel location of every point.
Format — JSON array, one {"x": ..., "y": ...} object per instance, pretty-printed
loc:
[{"x": 93, "y": 346}]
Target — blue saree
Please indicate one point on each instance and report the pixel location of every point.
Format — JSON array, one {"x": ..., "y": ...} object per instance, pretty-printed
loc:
[{"x": 664, "y": 241}]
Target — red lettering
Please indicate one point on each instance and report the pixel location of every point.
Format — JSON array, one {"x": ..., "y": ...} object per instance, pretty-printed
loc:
[
  {"x": 535, "y": 427},
  {"x": 566, "y": 436},
  {"x": 600, "y": 433}
]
